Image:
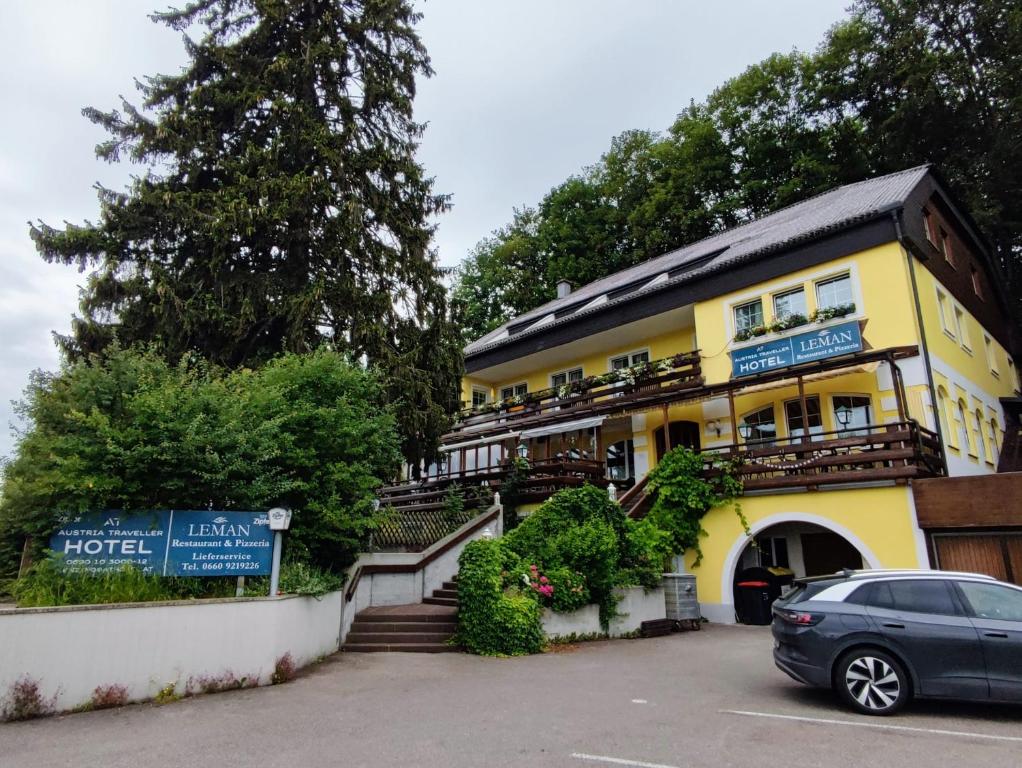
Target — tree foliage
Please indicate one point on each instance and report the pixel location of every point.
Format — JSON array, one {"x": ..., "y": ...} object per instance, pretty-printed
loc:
[
  {"x": 281, "y": 206},
  {"x": 126, "y": 430},
  {"x": 899, "y": 83}
]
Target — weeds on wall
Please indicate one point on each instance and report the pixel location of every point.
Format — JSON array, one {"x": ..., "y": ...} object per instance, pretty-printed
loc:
[
  {"x": 225, "y": 681},
  {"x": 108, "y": 696},
  {"x": 24, "y": 700},
  {"x": 284, "y": 669}
]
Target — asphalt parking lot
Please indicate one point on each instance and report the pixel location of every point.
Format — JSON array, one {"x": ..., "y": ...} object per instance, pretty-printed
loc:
[{"x": 709, "y": 698}]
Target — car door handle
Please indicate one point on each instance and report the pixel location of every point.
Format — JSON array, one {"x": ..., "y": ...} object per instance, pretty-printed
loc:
[
  {"x": 892, "y": 625},
  {"x": 996, "y": 634}
]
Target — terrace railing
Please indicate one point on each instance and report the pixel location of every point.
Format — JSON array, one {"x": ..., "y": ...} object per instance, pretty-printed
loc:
[
  {"x": 644, "y": 385},
  {"x": 873, "y": 453}
]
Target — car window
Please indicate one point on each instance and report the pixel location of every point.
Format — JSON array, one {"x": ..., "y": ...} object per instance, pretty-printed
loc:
[
  {"x": 992, "y": 601},
  {"x": 923, "y": 596},
  {"x": 861, "y": 596}
]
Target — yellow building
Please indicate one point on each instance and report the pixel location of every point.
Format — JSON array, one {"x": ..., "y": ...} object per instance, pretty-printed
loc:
[{"x": 843, "y": 348}]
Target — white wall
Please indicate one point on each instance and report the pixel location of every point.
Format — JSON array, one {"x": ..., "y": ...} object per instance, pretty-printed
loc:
[{"x": 142, "y": 646}]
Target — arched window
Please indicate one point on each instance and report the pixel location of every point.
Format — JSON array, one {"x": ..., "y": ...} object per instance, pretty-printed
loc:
[
  {"x": 964, "y": 433},
  {"x": 944, "y": 414},
  {"x": 982, "y": 446},
  {"x": 995, "y": 436}
]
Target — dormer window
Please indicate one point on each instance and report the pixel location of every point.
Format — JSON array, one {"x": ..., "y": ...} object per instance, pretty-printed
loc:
[
  {"x": 977, "y": 286},
  {"x": 945, "y": 248},
  {"x": 928, "y": 227}
]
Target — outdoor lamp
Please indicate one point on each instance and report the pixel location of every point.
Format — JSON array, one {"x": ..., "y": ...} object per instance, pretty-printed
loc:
[
  {"x": 745, "y": 431},
  {"x": 522, "y": 450},
  {"x": 843, "y": 414},
  {"x": 714, "y": 425}
]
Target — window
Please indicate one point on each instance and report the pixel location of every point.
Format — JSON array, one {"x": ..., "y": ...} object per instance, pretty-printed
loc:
[
  {"x": 748, "y": 315},
  {"x": 944, "y": 410},
  {"x": 773, "y": 552},
  {"x": 790, "y": 303},
  {"x": 994, "y": 437},
  {"x": 945, "y": 247},
  {"x": 480, "y": 396},
  {"x": 856, "y": 410},
  {"x": 761, "y": 425},
  {"x": 977, "y": 285},
  {"x": 962, "y": 327},
  {"x": 928, "y": 226},
  {"x": 988, "y": 346},
  {"x": 834, "y": 292},
  {"x": 929, "y": 596},
  {"x": 515, "y": 390},
  {"x": 621, "y": 460},
  {"x": 793, "y": 415},
  {"x": 1014, "y": 375},
  {"x": 992, "y": 601},
  {"x": 945, "y": 313},
  {"x": 982, "y": 447},
  {"x": 626, "y": 361},
  {"x": 964, "y": 433},
  {"x": 564, "y": 377}
]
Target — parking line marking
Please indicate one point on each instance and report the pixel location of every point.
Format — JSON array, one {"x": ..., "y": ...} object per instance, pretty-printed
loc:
[
  {"x": 881, "y": 726},
  {"x": 618, "y": 761}
]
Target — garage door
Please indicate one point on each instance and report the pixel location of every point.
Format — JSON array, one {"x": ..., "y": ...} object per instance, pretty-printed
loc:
[{"x": 996, "y": 554}]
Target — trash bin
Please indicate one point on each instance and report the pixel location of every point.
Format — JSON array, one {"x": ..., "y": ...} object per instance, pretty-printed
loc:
[{"x": 753, "y": 602}]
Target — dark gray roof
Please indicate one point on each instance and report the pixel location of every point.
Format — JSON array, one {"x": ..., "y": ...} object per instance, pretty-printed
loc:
[{"x": 830, "y": 211}]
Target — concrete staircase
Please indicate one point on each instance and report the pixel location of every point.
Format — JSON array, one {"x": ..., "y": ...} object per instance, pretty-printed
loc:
[{"x": 425, "y": 627}]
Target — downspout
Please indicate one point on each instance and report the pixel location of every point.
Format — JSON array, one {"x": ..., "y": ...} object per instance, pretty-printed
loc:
[{"x": 902, "y": 240}]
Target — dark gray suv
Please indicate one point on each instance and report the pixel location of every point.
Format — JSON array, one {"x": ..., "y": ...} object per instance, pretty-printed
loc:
[{"x": 880, "y": 637}]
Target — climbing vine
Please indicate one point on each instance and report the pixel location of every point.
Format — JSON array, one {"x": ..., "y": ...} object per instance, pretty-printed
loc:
[{"x": 686, "y": 485}]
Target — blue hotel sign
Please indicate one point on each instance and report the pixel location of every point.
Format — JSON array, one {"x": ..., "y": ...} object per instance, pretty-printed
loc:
[
  {"x": 169, "y": 542},
  {"x": 801, "y": 348}
]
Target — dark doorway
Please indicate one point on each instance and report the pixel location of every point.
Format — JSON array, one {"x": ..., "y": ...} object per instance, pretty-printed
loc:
[
  {"x": 826, "y": 552},
  {"x": 682, "y": 433}
]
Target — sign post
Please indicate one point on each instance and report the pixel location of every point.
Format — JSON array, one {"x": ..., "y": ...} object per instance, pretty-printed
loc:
[{"x": 280, "y": 519}]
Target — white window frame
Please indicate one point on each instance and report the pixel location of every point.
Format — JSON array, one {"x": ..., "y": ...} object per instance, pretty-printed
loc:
[
  {"x": 629, "y": 356},
  {"x": 817, "y": 284},
  {"x": 991, "y": 353},
  {"x": 734, "y": 313},
  {"x": 944, "y": 306},
  {"x": 962, "y": 327},
  {"x": 851, "y": 431},
  {"x": 947, "y": 247},
  {"x": 485, "y": 393},
  {"x": 513, "y": 387},
  {"x": 780, "y": 294},
  {"x": 814, "y": 432},
  {"x": 760, "y": 440},
  {"x": 567, "y": 375}
]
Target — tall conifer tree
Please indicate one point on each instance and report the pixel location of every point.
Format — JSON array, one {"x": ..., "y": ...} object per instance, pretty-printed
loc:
[{"x": 282, "y": 206}]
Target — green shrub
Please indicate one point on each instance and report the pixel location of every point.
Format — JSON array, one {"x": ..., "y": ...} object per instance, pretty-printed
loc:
[
  {"x": 494, "y": 620},
  {"x": 305, "y": 579},
  {"x": 570, "y": 590}
]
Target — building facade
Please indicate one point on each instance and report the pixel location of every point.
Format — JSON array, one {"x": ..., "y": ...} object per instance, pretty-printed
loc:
[{"x": 842, "y": 348}]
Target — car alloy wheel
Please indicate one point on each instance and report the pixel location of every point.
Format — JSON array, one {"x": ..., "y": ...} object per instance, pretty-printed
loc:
[{"x": 873, "y": 682}]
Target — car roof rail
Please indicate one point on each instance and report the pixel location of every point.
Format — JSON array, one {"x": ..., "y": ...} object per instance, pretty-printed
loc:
[{"x": 866, "y": 573}]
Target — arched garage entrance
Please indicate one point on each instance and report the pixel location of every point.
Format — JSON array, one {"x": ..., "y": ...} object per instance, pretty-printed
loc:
[{"x": 783, "y": 548}]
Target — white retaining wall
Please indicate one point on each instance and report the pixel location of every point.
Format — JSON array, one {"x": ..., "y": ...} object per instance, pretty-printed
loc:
[
  {"x": 144, "y": 646},
  {"x": 584, "y": 621},
  {"x": 636, "y": 605}
]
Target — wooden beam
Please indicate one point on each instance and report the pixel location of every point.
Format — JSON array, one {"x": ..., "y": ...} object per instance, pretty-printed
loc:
[
  {"x": 734, "y": 420},
  {"x": 805, "y": 411},
  {"x": 667, "y": 429}
]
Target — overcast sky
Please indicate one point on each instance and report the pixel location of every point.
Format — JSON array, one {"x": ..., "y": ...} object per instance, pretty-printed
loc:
[{"x": 526, "y": 92}]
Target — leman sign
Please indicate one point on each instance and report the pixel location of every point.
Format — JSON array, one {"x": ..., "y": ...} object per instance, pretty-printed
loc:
[
  {"x": 801, "y": 348},
  {"x": 169, "y": 543}
]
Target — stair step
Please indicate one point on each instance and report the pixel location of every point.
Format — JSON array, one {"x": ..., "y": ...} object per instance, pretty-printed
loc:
[
  {"x": 451, "y": 593},
  {"x": 445, "y": 615},
  {"x": 451, "y": 601},
  {"x": 399, "y": 627},
  {"x": 394, "y": 638},
  {"x": 400, "y": 647},
  {"x": 450, "y": 585}
]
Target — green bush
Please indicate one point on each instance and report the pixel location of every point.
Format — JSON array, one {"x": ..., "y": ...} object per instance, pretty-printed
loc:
[
  {"x": 48, "y": 583},
  {"x": 494, "y": 619},
  {"x": 570, "y": 590},
  {"x": 127, "y": 431},
  {"x": 305, "y": 579}
]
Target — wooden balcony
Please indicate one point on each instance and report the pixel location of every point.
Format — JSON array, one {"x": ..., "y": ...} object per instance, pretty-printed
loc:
[
  {"x": 656, "y": 383},
  {"x": 875, "y": 453}
]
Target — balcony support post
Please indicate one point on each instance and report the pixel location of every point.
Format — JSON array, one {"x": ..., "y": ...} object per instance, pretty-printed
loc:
[
  {"x": 734, "y": 420},
  {"x": 667, "y": 430},
  {"x": 805, "y": 411},
  {"x": 899, "y": 387}
]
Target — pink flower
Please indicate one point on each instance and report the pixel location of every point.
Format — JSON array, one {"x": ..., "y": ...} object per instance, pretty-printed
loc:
[
  {"x": 544, "y": 580},
  {"x": 533, "y": 568}
]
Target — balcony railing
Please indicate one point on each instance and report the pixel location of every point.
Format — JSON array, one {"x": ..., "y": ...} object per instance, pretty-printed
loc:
[
  {"x": 643, "y": 385},
  {"x": 874, "y": 453}
]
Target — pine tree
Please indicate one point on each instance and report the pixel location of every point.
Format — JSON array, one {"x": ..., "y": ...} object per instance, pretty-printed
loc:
[{"x": 282, "y": 207}]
